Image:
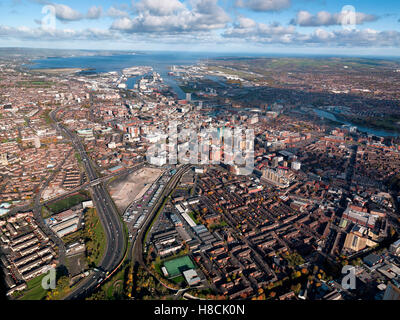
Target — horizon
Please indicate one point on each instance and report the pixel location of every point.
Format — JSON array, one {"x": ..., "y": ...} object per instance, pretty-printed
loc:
[{"x": 224, "y": 54}]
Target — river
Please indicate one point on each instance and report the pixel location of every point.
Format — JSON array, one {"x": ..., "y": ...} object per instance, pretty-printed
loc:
[{"x": 373, "y": 131}]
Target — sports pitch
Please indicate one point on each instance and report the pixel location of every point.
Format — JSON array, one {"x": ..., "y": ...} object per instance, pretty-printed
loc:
[{"x": 176, "y": 266}]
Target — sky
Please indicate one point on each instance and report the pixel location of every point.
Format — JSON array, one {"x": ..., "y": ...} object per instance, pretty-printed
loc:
[{"x": 355, "y": 27}]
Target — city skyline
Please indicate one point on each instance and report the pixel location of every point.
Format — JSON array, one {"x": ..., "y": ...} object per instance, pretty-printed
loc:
[{"x": 274, "y": 26}]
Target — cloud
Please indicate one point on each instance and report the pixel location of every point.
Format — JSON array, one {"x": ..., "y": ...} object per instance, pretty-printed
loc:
[
  {"x": 172, "y": 17},
  {"x": 66, "y": 13},
  {"x": 116, "y": 13},
  {"x": 324, "y": 18},
  {"x": 26, "y": 33},
  {"x": 206, "y": 22},
  {"x": 264, "y": 5},
  {"x": 160, "y": 7},
  {"x": 94, "y": 12},
  {"x": 246, "y": 30}
]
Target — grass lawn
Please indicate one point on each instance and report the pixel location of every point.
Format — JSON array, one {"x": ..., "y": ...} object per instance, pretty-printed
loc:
[
  {"x": 34, "y": 84},
  {"x": 94, "y": 236},
  {"x": 113, "y": 288},
  {"x": 45, "y": 213},
  {"x": 193, "y": 216},
  {"x": 96, "y": 245},
  {"x": 178, "y": 280},
  {"x": 115, "y": 284},
  {"x": 35, "y": 290},
  {"x": 65, "y": 204}
]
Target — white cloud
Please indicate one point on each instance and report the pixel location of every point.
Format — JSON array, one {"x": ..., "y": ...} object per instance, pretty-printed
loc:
[
  {"x": 172, "y": 17},
  {"x": 66, "y": 13},
  {"x": 116, "y": 13},
  {"x": 324, "y": 18},
  {"x": 264, "y": 5},
  {"x": 94, "y": 12},
  {"x": 160, "y": 7},
  {"x": 26, "y": 33},
  {"x": 197, "y": 21},
  {"x": 248, "y": 28}
]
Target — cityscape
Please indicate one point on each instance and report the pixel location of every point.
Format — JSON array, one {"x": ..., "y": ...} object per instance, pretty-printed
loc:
[{"x": 150, "y": 174}]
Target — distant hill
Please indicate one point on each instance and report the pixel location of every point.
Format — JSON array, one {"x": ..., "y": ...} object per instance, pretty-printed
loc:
[{"x": 57, "y": 53}]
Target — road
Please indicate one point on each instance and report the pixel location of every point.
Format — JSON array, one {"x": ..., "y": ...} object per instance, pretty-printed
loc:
[
  {"x": 86, "y": 185},
  {"x": 137, "y": 247},
  {"x": 108, "y": 216}
]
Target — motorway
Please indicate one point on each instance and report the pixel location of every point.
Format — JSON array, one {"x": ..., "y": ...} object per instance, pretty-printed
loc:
[{"x": 109, "y": 218}]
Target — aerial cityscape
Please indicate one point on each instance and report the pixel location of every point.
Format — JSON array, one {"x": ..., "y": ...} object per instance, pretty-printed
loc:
[{"x": 188, "y": 150}]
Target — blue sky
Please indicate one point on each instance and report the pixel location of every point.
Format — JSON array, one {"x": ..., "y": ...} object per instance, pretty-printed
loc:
[{"x": 266, "y": 26}]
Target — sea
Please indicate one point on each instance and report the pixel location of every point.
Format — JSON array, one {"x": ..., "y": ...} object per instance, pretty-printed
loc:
[{"x": 161, "y": 62}]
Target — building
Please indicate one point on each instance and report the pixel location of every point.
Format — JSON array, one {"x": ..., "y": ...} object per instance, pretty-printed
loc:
[
  {"x": 360, "y": 216},
  {"x": 395, "y": 248},
  {"x": 392, "y": 291},
  {"x": 191, "y": 277},
  {"x": 3, "y": 159},
  {"x": 272, "y": 176},
  {"x": 372, "y": 260},
  {"x": 296, "y": 165},
  {"x": 87, "y": 204}
]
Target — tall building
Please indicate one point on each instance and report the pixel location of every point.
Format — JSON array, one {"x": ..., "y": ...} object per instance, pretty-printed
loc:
[{"x": 188, "y": 96}]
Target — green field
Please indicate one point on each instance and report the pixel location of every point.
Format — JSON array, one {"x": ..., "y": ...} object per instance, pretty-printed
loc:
[
  {"x": 65, "y": 204},
  {"x": 176, "y": 266},
  {"x": 94, "y": 236},
  {"x": 35, "y": 290},
  {"x": 35, "y": 83}
]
